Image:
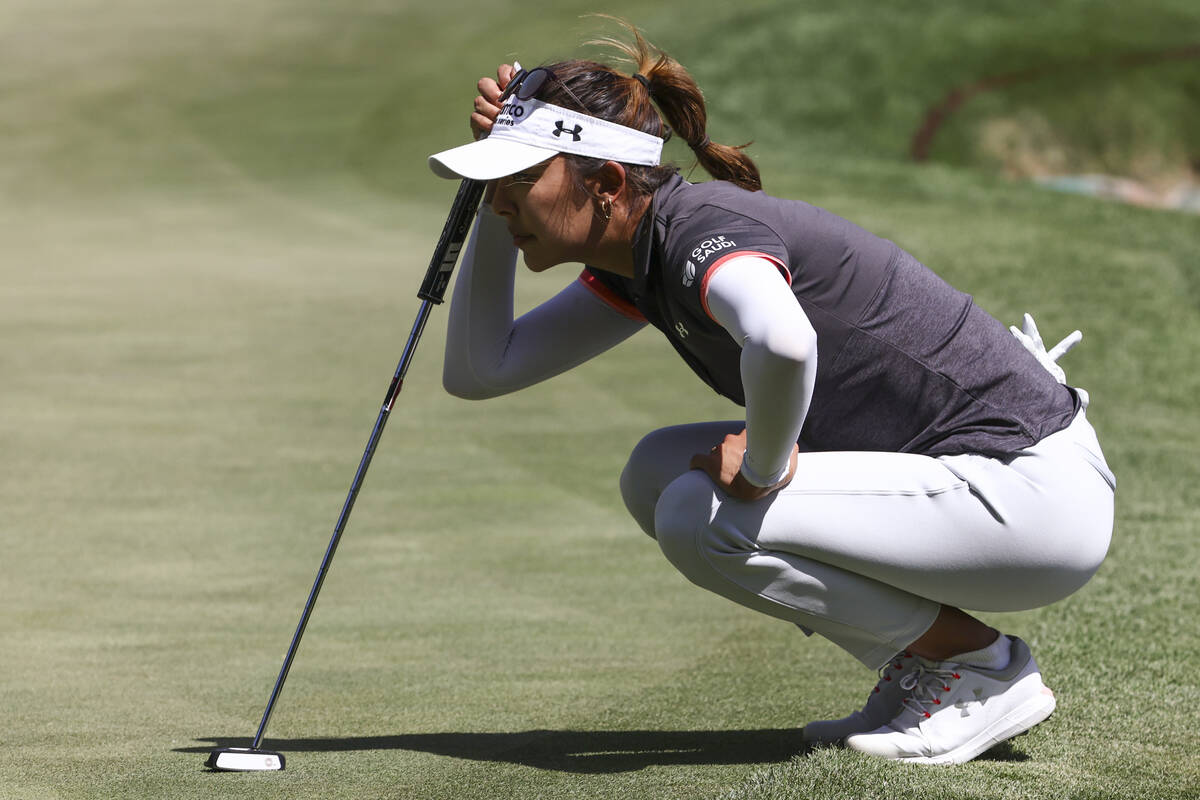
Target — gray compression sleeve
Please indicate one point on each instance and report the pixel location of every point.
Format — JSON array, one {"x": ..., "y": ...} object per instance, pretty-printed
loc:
[
  {"x": 750, "y": 299},
  {"x": 488, "y": 353}
]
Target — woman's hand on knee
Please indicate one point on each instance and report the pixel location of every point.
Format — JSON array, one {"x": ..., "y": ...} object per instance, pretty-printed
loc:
[{"x": 723, "y": 463}]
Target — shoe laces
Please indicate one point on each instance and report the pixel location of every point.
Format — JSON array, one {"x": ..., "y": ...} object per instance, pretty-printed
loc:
[
  {"x": 898, "y": 664},
  {"x": 926, "y": 686}
]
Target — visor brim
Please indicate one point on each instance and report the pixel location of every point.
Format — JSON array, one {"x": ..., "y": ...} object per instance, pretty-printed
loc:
[{"x": 487, "y": 159}]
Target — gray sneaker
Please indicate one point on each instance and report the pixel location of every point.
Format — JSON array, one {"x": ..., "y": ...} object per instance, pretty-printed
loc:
[
  {"x": 952, "y": 712},
  {"x": 883, "y": 704}
]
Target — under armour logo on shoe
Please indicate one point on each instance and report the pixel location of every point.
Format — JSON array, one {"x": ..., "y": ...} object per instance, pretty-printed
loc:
[
  {"x": 682, "y": 331},
  {"x": 560, "y": 128},
  {"x": 964, "y": 705}
]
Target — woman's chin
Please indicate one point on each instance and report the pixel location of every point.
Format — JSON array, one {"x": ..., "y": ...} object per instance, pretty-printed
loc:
[{"x": 535, "y": 264}]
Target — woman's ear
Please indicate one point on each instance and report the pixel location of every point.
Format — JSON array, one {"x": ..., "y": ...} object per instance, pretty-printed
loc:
[{"x": 608, "y": 182}]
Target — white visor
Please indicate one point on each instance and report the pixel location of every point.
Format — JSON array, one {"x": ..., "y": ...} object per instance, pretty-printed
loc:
[{"x": 528, "y": 132}]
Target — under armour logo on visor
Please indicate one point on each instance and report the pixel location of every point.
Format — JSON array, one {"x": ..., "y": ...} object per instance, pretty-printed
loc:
[{"x": 560, "y": 129}]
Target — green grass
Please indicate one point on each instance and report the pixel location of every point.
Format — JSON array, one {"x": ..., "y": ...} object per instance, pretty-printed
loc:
[{"x": 214, "y": 221}]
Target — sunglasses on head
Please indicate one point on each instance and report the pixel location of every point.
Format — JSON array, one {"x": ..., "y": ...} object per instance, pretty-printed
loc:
[{"x": 527, "y": 83}]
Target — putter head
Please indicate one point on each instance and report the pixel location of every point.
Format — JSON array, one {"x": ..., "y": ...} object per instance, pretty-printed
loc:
[{"x": 244, "y": 759}]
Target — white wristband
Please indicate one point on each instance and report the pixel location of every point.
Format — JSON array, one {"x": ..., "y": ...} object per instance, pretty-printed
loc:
[{"x": 754, "y": 479}]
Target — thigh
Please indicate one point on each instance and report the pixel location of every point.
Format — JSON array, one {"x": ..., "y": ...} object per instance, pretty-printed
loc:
[{"x": 914, "y": 523}]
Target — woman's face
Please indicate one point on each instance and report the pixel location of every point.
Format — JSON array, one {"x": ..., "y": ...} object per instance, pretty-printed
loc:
[{"x": 551, "y": 222}]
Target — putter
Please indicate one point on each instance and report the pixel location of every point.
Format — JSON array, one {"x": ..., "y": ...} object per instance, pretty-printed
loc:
[{"x": 437, "y": 278}]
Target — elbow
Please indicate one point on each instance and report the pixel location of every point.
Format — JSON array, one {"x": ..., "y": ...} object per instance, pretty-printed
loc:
[
  {"x": 796, "y": 344},
  {"x": 783, "y": 359},
  {"x": 464, "y": 386}
]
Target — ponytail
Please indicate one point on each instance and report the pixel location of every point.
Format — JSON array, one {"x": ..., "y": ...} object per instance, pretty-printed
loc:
[{"x": 665, "y": 81}]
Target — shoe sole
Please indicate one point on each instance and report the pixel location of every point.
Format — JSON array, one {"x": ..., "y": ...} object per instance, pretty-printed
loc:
[{"x": 1017, "y": 721}]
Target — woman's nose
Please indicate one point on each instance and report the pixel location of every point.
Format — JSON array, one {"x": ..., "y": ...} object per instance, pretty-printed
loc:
[{"x": 500, "y": 200}]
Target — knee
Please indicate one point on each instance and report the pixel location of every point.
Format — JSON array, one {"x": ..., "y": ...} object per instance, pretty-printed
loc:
[
  {"x": 682, "y": 520},
  {"x": 638, "y": 495},
  {"x": 642, "y": 481}
]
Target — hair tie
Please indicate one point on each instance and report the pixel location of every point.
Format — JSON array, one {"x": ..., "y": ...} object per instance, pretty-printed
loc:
[
  {"x": 642, "y": 79},
  {"x": 703, "y": 143}
]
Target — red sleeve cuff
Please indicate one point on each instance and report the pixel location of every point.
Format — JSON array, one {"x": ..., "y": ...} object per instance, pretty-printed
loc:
[
  {"x": 610, "y": 297},
  {"x": 723, "y": 260}
]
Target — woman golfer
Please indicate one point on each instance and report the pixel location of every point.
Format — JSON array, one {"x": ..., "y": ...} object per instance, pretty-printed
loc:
[{"x": 902, "y": 456}]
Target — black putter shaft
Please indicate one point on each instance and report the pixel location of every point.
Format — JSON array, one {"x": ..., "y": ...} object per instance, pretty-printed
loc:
[{"x": 437, "y": 278}]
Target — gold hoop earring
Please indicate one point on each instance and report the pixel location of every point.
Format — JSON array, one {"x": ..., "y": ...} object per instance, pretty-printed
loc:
[{"x": 606, "y": 209}]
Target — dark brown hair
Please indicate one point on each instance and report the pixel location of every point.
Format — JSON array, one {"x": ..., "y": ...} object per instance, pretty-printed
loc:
[{"x": 666, "y": 99}]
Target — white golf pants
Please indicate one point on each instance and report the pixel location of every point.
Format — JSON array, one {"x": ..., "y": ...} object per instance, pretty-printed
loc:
[{"x": 864, "y": 547}]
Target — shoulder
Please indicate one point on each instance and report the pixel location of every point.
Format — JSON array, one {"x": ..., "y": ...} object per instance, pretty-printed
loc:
[
  {"x": 685, "y": 199},
  {"x": 695, "y": 210},
  {"x": 703, "y": 224}
]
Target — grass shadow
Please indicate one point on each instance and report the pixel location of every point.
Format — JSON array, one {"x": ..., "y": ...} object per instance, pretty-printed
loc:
[
  {"x": 1003, "y": 752},
  {"x": 564, "y": 751}
]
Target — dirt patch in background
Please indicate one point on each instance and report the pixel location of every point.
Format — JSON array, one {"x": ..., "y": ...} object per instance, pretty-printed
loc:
[{"x": 1026, "y": 145}]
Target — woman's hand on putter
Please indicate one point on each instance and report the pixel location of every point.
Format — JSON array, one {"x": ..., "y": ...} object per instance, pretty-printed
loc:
[
  {"x": 487, "y": 102},
  {"x": 724, "y": 465}
]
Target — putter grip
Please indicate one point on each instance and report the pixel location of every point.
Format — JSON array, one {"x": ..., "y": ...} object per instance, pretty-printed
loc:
[{"x": 445, "y": 256}]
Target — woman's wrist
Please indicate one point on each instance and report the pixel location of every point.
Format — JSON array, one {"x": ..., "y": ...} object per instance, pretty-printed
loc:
[{"x": 759, "y": 480}]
